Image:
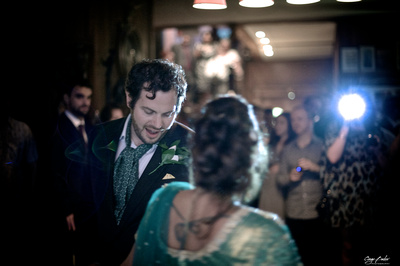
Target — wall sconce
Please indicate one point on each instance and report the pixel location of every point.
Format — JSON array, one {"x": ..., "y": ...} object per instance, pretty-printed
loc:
[{"x": 209, "y": 4}]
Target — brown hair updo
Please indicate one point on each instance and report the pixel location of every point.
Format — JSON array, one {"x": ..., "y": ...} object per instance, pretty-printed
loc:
[{"x": 224, "y": 146}]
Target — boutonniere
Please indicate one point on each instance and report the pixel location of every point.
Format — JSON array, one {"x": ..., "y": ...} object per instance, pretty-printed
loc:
[{"x": 173, "y": 154}]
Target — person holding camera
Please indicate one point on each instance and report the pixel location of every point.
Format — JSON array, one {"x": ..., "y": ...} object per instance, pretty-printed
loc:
[{"x": 352, "y": 166}]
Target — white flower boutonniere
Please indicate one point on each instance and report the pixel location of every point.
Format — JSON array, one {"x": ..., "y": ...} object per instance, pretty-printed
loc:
[{"x": 173, "y": 154}]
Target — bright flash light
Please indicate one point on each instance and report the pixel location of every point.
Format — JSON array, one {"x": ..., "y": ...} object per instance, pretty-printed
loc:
[{"x": 352, "y": 106}]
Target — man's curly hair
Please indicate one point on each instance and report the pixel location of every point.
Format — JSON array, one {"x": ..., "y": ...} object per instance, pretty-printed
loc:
[{"x": 155, "y": 75}]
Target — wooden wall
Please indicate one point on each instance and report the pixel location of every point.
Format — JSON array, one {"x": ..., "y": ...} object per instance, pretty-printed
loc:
[{"x": 268, "y": 83}]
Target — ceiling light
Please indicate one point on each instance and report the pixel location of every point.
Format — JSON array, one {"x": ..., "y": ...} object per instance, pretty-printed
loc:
[
  {"x": 268, "y": 50},
  {"x": 265, "y": 40},
  {"x": 260, "y": 34},
  {"x": 277, "y": 111},
  {"x": 348, "y": 1},
  {"x": 256, "y": 3},
  {"x": 209, "y": 4},
  {"x": 267, "y": 47},
  {"x": 302, "y": 2},
  {"x": 269, "y": 53}
]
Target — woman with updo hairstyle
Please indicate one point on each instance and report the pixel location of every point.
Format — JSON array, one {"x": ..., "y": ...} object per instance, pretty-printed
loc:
[
  {"x": 225, "y": 147},
  {"x": 204, "y": 223}
]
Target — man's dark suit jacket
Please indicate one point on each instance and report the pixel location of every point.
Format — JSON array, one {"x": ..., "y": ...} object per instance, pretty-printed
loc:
[
  {"x": 70, "y": 169},
  {"x": 116, "y": 241}
]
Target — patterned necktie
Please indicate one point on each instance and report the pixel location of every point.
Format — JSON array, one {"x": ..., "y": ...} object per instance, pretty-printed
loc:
[{"x": 126, "y": 173}]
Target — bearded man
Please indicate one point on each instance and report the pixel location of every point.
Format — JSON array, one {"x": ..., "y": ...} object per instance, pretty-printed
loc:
[{"x": 138, "y": 154}]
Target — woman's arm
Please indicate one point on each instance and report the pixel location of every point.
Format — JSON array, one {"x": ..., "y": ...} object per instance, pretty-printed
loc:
[{"x": 335, "y": 151}]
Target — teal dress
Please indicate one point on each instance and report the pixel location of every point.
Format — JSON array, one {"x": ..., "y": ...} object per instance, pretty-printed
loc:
[{"x": 250, "y": 237}]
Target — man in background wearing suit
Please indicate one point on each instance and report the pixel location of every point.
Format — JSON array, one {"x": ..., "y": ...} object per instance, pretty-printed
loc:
[
  {"x": 70, "y": 172},
  {"x": 138, "y": 154}
]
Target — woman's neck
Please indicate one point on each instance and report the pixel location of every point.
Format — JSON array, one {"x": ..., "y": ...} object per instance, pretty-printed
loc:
[
  {"x": 284, "y": 137},
  {"x": 281, "y": 142},
  {"x": 212, "y": 197}
]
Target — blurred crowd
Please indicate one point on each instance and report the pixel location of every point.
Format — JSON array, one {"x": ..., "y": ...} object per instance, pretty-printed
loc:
[{"x": 332, "y": 179}]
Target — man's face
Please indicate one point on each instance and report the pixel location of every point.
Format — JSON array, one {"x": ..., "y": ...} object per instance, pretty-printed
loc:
[
  {"x": 80, "y": 100},
  {"x": 152, "y": 118},
  {"x": 300, "y": 121}
]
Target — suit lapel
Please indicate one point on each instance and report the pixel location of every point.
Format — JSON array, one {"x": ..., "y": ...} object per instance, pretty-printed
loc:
[
  {"x": 113, "y": 132},
  {"x": 68, "y": 130},
  {"x": 154, "y": 163},
  {"x": 107, "y": 146}
]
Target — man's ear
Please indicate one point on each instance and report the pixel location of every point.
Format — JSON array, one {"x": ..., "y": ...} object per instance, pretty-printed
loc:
[
  {"x": 128, "y": 99},
  {"x": 66, "y": 99}
]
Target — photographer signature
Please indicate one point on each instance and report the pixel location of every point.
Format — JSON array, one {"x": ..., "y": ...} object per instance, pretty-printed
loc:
[{"x": 377, "y": 261}]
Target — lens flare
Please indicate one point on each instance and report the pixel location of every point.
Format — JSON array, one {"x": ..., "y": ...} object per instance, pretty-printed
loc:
[{"x": 352, "y": 106}]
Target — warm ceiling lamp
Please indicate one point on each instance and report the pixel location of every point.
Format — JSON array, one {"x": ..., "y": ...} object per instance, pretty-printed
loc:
[
  {"x": 256, "y": 3},
  {"x": 209, "y": 4},
  {"x": 302, "y": 2}
]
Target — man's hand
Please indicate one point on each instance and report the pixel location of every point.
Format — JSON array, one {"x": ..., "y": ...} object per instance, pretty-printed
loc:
[
  {"x": 71, "y": 222},
  {"x": 295, "y": 175},
  {"x": 306, "y": 164}
]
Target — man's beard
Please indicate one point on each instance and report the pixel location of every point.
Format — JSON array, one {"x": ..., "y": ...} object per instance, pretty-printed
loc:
[
  {"x": 138, "y": 131},
  {"x": 78, "y": 113}
]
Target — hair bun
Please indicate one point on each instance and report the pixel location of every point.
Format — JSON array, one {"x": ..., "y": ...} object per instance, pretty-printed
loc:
[{"x": 224, "y": 145}]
